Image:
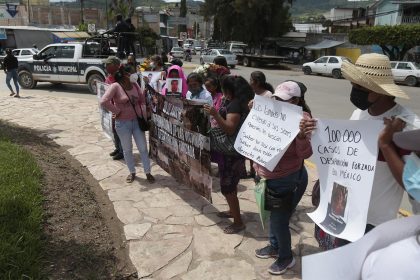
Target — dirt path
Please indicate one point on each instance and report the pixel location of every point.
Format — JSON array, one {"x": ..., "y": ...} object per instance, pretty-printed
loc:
[{"x": 83, "y": 237}]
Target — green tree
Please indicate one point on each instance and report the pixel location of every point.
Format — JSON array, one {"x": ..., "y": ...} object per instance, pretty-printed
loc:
[
  {"x": 249, "y": 20},
  {"x": 395, "y": 41},
  {"x": 147, "y": 38}
]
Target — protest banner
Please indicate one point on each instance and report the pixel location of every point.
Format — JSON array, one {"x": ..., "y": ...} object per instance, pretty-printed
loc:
[
  {"x": 268, "y": 130},
  {"x": 345, "y": 153},
  {"x": 106, "y": 116},
  {"x": 346, "y": 263},
  {"x": 178, "y": 142}
]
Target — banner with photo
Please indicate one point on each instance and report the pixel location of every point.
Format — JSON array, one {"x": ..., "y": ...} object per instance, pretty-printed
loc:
[
  {"x": 268, "y": 130},
  {"x": 345, "y": 153},
  {"x": 178, "y": 142},
  {"x": 106, "y": 116}
]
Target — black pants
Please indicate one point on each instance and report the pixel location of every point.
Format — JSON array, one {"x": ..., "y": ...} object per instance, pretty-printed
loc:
[{"x": 117, "y": 141}]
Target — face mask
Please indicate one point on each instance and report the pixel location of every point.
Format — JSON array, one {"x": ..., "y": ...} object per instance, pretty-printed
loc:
[
  {"x": 359, "y": 98},
  {"x": 152, "y": 65},
  {"x": 411, "y": 176},
  {"x": 134, "y": 77}
]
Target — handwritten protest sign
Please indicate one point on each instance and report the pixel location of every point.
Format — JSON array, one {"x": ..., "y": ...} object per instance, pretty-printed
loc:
[
  {"x": 106, "y": 116},
  {"x": 345, "y": 153},
  {"x": 178, "y": 143},
  {"x": 268, "y": 130}
]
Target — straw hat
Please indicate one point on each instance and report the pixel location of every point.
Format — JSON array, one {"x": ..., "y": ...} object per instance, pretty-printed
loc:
[{"x": 373, "y": 71}]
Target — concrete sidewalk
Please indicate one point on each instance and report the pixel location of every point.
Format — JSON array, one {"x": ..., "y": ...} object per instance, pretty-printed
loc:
[{"x": 172, "y": 232}]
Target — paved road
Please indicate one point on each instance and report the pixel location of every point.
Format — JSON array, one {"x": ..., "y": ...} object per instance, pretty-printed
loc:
[{"x": 327, "y": 97}]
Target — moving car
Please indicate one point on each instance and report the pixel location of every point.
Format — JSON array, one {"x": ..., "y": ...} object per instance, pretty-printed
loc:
[
  {"x": 406, "y": 72},
  {"x": 208, "y": 56},
  {"x": 327, "y": 65},
  {"x": 177, "y": 52}
]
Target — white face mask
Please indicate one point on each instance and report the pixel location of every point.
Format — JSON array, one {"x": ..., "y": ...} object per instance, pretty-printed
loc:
[{"x": 134, "y": 77}]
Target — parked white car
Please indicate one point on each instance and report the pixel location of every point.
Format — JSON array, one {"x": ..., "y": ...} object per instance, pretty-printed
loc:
[
  {"x": 20, "y": 53},
  {"x": 208, "y": 56},
  {"x": 327, "y": 65},
  {"x": 406, "y": 72},
  {"x": 177, "y": 52}
]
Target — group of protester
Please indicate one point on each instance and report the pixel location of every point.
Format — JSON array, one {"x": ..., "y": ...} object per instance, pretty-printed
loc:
[{"x": 228, "y": 100}]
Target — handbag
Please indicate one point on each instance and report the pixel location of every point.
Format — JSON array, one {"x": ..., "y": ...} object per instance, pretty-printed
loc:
[
  {"x": 143, "y": 124},
  {"x": 221, "y": 142}
]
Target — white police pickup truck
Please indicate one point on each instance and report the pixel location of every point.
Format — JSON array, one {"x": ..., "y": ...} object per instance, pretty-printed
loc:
[{"x": 77, "y": 63}]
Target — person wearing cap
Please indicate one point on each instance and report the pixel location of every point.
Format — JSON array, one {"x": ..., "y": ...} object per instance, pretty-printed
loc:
[
  {"x": 405, "y": 169},
  {"x": 288, "y": 180},
  {"x": 112, "y": 63}
]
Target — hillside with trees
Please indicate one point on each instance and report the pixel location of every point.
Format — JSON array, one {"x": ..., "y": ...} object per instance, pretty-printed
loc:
[{"x": 311, "y": 7}]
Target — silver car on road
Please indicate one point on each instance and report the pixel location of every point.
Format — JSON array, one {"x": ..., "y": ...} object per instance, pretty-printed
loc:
[{"x": 209, "y": 55}]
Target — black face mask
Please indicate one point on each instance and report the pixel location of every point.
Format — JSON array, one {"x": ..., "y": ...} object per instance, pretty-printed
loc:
[{"x": 359, "y": 98}]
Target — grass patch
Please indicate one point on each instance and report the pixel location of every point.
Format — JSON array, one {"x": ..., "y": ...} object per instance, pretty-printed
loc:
[{"x": 20, "y": 213}]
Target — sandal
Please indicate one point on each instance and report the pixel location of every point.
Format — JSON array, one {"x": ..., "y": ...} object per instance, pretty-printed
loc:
[
  {"x": 150, "y": 178},
  {"x": 232, "y": 229},
  {"x": 130, "y": 178},
  {"x": 225, "y": 215}
]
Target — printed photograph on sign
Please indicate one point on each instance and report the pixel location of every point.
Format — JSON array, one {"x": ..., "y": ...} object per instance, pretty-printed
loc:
[
  {"x": 105, "y": 115},
  {"x": 336, "y": 218},
  {"x": 153, "y": 78},
  {"x": 173, "y": 87}
]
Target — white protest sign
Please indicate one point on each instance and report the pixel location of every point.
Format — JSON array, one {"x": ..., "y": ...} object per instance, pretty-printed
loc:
[
  {"x": 268, "y": 130},
  {"x": 346, "y": 263},
  {"x": 106, "y": 116},
  {"x": 345, "y": 153}
]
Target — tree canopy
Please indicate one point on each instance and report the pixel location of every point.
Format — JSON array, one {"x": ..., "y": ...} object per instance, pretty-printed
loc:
[
  {"x": 248, "y": 20},
  {"x": 395, "y": 41}
]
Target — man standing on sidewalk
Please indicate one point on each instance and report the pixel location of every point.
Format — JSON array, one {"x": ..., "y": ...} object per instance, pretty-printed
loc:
[
  {"x": 112, "y": 65},
  {"x": 10, "y": 68}
]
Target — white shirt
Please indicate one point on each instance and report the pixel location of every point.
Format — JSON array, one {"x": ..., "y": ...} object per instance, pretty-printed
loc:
[
  {"x": 204, "y": 95},
  {"x": 397, "y": 261},
  {"x": 386, "y": 194}
]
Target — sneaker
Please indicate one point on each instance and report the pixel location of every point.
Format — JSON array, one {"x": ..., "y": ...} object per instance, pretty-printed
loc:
[
  {"x": 13, "y": 93},
  {"x": 266, "y": 252},
  {"x": 114, "y": 153},
  {"x": 281, "y": 266},
  {"x": 17, "y": 96},
  {"x": 118, "y": 157}
]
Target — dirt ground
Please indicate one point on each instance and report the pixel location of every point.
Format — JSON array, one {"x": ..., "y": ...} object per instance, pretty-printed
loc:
[{"x": 83, "y": 237}]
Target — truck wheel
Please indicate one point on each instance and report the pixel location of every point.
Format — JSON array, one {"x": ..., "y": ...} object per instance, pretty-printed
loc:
[
  {"x": 26, "y": 80},
  {"x": 92, "y": 82},
  {"x": 246, "y": 62},
  {"x": 411, "y": 81},
  {"x": 307, "y": 70},
  {"x": 336, "y": 73}
]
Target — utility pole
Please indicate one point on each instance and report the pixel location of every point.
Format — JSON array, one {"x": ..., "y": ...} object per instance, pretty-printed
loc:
[
  {"x": 106, "y": 14},
  {"x": 29, "y": 13},
  {"x": 81, "y": 11}
]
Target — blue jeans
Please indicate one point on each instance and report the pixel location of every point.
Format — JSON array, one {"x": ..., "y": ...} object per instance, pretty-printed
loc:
[
  {"x": 127, "y": 129},
  {"x": 280, "y": 238},
  {"x": 9, "y": 75}
]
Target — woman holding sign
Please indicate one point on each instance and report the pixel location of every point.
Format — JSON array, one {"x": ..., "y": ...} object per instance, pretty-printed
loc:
[
  {"x": 286, "y": 183},
  {"x": 229, "y": 117}
]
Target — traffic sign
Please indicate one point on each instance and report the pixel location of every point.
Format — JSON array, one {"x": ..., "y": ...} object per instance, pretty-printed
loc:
[{"x": 91, "y": 28}]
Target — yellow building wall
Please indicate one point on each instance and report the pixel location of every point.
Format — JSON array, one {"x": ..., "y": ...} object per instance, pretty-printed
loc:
[{"x": 352, "y": 53}]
